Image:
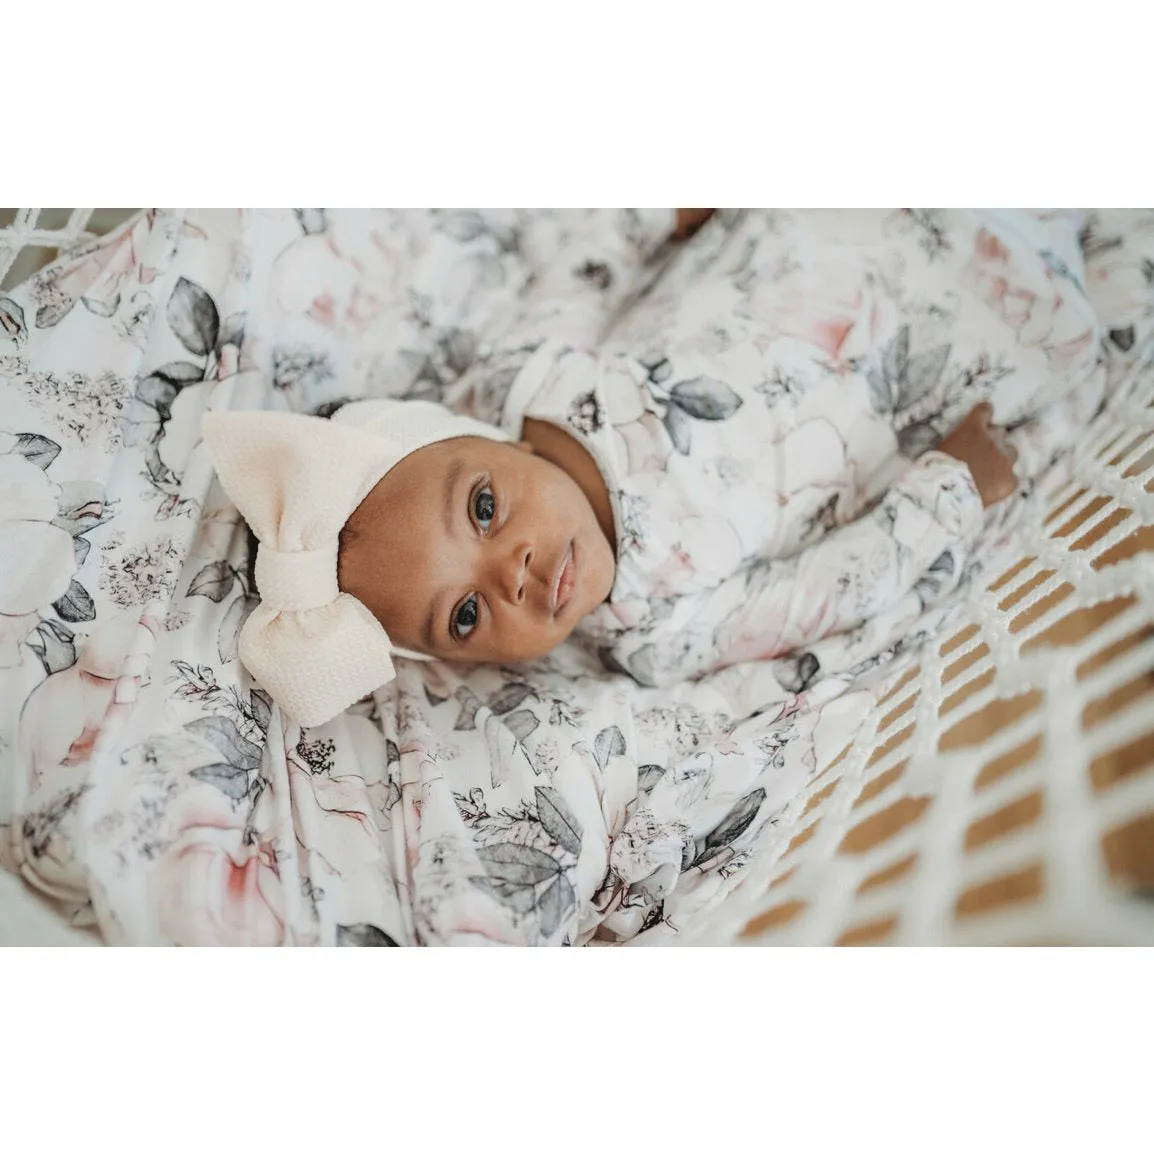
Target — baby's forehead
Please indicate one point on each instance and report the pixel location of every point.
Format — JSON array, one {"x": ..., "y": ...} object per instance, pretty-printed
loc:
[
  {"x": 403, "y": 506},
  {"x": 443, "y": 458}
]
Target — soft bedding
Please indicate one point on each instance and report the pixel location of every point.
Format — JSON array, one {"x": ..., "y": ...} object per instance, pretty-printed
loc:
[{"x": 151, "y": 789}]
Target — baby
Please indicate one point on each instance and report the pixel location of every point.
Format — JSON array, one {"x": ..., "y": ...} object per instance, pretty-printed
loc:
[
  {"x": 477, "y": 550},
  {"x": 714, "y": 499}
]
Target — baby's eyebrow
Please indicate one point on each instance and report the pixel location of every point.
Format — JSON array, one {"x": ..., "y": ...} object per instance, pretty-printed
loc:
[{"x": 451, "y": 481}]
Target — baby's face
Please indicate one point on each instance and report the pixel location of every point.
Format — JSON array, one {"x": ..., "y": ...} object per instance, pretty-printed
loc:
[{"x": 476, "y": 550}]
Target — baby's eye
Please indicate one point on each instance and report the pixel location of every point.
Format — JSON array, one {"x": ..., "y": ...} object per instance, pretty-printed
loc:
[
  {"x": 484, "y": 508},
  {"x": 465, "y": 619}
]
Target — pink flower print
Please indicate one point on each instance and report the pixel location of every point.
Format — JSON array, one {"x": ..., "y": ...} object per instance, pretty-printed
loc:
[
  {"x": 338, "y": 280},
  {"x": 1043, "y": 311},
  {"x": 330, "y": 810},
  {"x": 840, "y": 311},
  {"x": 780, "y": 629},
  {"x": 65, "y": 714},
  {"x": 670, "y": 577},
  {"x": 209, "y": 887},
  {"x": 644, "y": 445},
  {"x": 99, "y": 276}
]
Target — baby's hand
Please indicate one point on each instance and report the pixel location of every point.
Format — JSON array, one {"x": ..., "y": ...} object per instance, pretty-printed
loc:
[
  {"x": 983, "y": 447},
  {"x": 689, "y": 220}
]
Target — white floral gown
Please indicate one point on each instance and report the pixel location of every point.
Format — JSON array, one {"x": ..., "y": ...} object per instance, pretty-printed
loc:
[{"x": 765, "y": 416}]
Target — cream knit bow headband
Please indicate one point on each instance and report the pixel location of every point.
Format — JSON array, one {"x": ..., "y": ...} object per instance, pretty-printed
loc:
[{"x": 296, "y": 480}]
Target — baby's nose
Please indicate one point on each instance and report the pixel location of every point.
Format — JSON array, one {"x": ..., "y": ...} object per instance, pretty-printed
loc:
[{"x": 516, "y": 573}]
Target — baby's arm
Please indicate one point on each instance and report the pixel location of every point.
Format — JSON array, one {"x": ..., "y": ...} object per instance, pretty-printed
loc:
[
  {"x": 926, "y": 522},
  {"x": 860, "y": 569},
  {"x": 584, "y": 265}
]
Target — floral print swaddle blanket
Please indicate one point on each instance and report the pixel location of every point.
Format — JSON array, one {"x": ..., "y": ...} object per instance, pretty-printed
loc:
[{"x": 152, "y": 790}]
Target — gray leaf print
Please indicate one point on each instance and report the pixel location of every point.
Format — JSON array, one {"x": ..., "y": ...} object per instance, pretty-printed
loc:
[
  {"x": 642, "y": 665},
  {"x": 736, "y": 822},
  {"x": 261, "y": 705},
  {"x": 193, "y": 317},
  {"x": 55, "y": 308},
  {"x": 896, "y": 355},
  {"x": 922, "y": 374},
  {"x": 470, "y": 703},
  {"x": 520, "y": 899},
  {"x": 76, "y": 605},
  {"x": 37, "y": 449},
  {"x": 509, "y": 698},
  {"x": 54, "y": 645},
  {"x": 222, "y": 734},
  {"x": 181, "y": 372},
  {"x": 658, "y": 368},
  {"x": 231, "y": 780},
  {"x": 103, "y": 309},
  {"x": 228, "y": 635},
  {"x": 159, "y": 392},
  {"x": 609, "y": 659},
  {"x": 214, "y": 581},
  {"x": 556, "y": 905},
  {"x": 12, "y": 324},
  {"x": 232, "y": 331},
  {"x": 364, "y": 934},
  {"x": 885, "y": 378},
  {"x": 558, "y": 819},
  {"x": 517, "y": 865},
  {"x": 944, "y": 563},
  {"x": 705, "y": 399},
  {"x": 680, "y": 431},
  {"x": 522, "y": 723},
  {"x": 880, "y": 396},
  {"x": 1123, "y": 338},
  {"x": 609, "y": 743},
  {"x": 795, "y": 675},
  {"x": 513, "y": 873},
  {"x": 916, "y": 439},
  {"x": 648, "y": 776}
]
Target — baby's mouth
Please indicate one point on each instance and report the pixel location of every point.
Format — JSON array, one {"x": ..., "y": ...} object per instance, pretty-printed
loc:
[{"x": 565, "y": 581}]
